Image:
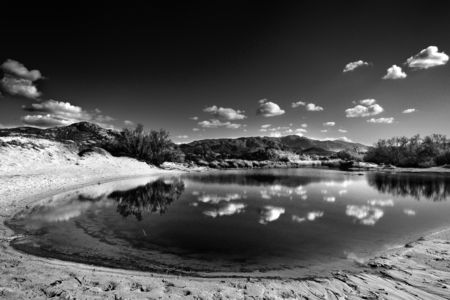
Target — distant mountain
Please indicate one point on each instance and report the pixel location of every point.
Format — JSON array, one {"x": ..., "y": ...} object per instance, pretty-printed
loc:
[{"x": 261, "y": 148}]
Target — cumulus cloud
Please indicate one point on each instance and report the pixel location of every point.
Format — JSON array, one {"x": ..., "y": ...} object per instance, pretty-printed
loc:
[
  {"x": 331, "y": 124},
  {"x": 297, "y": 104},
  {"x": 215, "y": 123},
  {"x": 18, "y": 80},
  {"x": 269, "y": 109},
  {"x": 324, "y": 130},
  {"x": 225, "y": 113},
  {"x": 226, "y": 210},
  {"x": 182, "y": 136},
  {"x": 58, "y": 113},
  {"x": 270, "y": 213},
  {"x": 342, "y": 130},
  {"x": 19, "y": 87},
  {"x": 409, "y": 111},
  {"x": 297, "y": 219},
  {"x": 195, "y": 118},
  {"x": 366, "y": 215},
  {"x": 389, "y": 120},
  {"x": 351, "y": 66},
  {"x": 17, "y": 69},
  {"x": 313, "y": 107},
  {"x": 365, "y": 108},
  {"x": 304, "y": 125},
  {"x": 128, "y": 123},
  {"x": 395, "y": 72},
  {"x": 427, "y": 58},
  {"x": 329, "y": 199}
]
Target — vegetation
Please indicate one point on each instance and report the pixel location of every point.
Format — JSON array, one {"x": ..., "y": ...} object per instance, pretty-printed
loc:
[
  {"x": 411, "y": 152},
  {"x": 348, "y": 155},
  {"x": 153, "y": 147}
]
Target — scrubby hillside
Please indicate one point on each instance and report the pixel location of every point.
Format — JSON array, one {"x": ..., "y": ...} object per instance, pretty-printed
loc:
[{"x": 265, "y": 148}]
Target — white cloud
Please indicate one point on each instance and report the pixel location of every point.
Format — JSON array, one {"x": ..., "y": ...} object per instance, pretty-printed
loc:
[
  {"x": 195, "y": 118},
  {"x": 395, "y": 72},
  {"x": 342, "y": 130},
  {"x": 17, "y": 69},
  {"x": 128, "y": 123},
  {"x": 195, "y": 129},
  {"x": 367, "y": 101},
  {"x": 214, "y": 123},
  {"x": 266, "y": 125},
  {"x": 427, "y": 58},
  {"x": 297, "y": 104},
  {"x": 18, "y": 80},
  {"x": 58, "y": 113},
  {"x": 47, "y": 120},
  {"x": 19, "y": 87},
  {"x": 225, "y": 113},
  {"x": 409, "y": 111},
  {"x": 324, "y": 130},
  {"x": 313, "y": 107},
  {"x": 226, "y": 210},
  {"x": 276, "y": 134},
  {"x": 365, "y": 108},
  {"x": 331, "y": 124},
  {"x": 301, "y": 130},
  {"x": 381, "y": 120},
  {"x": 354, "y": 65},
  {"x": 270, "y": 213},
  {"x": 366, "y": 215},
  {"x": 182, "y": 136},
  {"x": 304, "y": 125},
  {"x": 269, "y": 109}
]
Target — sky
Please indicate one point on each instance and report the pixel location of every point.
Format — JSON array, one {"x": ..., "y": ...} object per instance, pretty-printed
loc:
[{"x": 353, "y": 70}]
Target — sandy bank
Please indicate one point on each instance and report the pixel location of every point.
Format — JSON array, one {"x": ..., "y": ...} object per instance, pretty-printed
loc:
[{"x": 420, "y": 270}]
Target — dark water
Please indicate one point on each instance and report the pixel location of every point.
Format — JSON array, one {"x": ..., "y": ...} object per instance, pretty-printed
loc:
[{"x": 283, "y": 222}]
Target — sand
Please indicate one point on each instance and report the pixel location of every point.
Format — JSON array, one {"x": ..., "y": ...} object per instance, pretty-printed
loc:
[{"x": 418, "y": 270}]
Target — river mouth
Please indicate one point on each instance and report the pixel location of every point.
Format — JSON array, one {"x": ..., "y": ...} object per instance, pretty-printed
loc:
[{"x": 289, "y": 223}]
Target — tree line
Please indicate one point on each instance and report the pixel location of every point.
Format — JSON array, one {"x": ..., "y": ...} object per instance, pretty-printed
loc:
[{"x": 432, "y": 150}]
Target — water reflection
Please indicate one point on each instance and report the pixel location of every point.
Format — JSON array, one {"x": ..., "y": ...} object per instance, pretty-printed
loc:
[
  {"x": 153, "y": 197},
  {"x": 419, "y": 186}
]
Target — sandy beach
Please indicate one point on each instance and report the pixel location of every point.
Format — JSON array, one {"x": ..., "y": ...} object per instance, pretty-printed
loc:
[{"x": 418, "y": 270}]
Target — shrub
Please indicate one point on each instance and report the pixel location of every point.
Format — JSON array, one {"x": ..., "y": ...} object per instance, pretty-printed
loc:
[
  {"x": 443, "y": 159},
  {"x": 346, "y": 155},
  {"x": 153, "y": 147}
]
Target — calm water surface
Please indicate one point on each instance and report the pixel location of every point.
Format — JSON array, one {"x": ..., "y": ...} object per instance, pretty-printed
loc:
[{"x": 282, "y": 222}]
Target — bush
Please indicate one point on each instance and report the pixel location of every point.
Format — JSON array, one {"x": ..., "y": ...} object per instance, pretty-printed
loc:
[
  {"x": 153, "y": 147},
  {"x": 346, "y": 155}
]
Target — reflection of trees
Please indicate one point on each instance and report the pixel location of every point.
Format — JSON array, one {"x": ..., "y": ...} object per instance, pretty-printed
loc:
[
  {"x": 153, "y": 197},
  {"x": 428, "y": 186}
]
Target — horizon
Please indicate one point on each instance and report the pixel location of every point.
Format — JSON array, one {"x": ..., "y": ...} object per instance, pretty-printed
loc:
[{"x": 229, "y": 70}]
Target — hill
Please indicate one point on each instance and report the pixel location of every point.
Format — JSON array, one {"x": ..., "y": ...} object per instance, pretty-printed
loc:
[{"x": 265, "y": 148}]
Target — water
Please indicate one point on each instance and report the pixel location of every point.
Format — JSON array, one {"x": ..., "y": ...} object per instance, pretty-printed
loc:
[{"x": 282, "y": 222}]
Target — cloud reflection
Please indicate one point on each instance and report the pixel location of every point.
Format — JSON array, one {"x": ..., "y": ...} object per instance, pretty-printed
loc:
[
  {"x": 409, "y": 212},
  {"x": 381, "y": 202},
  {"x": 270, "y": 213},
  {"x": 225, "y": 210},
  {"x": 366, "y": 215}
]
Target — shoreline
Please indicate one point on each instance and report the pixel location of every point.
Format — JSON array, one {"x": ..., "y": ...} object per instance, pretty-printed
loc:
[{"x": 28, "y": 277}]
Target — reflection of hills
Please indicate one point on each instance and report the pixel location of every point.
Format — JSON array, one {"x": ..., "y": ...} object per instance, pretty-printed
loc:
[
  {"x": 257, "y": 179},
  {"x": 432, "y": 187},
  {"x": 153, "y": 197}
]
